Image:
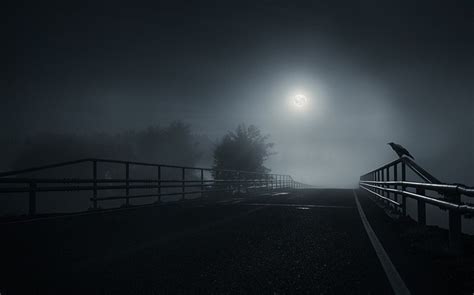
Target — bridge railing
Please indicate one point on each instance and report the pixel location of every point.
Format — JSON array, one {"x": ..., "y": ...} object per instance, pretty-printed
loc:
[
  {"x": 389, "y": 184},
  {"x": 233, "y": 181}
]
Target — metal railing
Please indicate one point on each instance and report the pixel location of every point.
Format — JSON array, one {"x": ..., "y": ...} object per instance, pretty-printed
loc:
[
  {"x": 220, "y": 181},
  {"x": 389, "y": 184}
]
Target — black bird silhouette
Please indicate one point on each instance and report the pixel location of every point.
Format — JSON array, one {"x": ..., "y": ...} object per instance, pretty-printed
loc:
[{"x": 401, "y": 151}]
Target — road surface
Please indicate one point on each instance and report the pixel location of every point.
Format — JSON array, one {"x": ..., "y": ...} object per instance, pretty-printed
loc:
[{"x": 308, "y": 241}]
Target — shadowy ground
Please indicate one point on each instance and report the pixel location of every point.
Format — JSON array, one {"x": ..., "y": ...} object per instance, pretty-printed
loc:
[
  {"x": 421, "y": 253},
  {"x": 309, "y": 241},
  {"x": 305, "y": 242}
]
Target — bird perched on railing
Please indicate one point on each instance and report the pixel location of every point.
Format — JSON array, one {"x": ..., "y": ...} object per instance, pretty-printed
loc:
[{"x": 401, "y": 151}]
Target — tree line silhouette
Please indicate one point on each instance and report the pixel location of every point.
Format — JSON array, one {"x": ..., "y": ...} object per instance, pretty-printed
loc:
[{"x": 245, "y": 148}]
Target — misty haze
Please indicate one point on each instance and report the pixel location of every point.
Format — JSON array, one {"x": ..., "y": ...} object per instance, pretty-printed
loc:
[{"x": 238, "y": 147}]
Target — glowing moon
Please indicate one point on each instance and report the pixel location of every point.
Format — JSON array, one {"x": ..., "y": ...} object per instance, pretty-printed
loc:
[{"x": 300, "y": 100}]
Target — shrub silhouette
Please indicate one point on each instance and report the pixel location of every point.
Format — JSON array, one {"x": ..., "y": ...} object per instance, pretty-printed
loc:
[{"x": 244, "y": 149}]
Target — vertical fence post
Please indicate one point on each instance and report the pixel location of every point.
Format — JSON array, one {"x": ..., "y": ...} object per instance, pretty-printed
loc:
[
  {"x": 388, "y": 179},
  {"x": 379, "y": 176},
  {"x": 183, "y": 188},
  {"x": 202, "y": 183},
  {"x": 32, "y": 199},
  {"x": 127, "y": 184},
  {"x": 421, "y": 207},
  {"x": 159, "y": 184},
  {"x": 376, "y": 178},
  {"x": 383, "y": 185},
  {"x": 94, "y": 184},
  {"x": 455, "y": 243},
  {"x": 404, "y": 198},
  {"x": 395, "y": 178}
]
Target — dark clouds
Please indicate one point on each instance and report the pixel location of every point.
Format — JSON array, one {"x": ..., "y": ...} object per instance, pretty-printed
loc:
[{"x": 377, "y": 72}]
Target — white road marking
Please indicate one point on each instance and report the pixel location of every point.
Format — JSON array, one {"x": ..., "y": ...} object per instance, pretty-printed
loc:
[
  {"x": 396, "y": 281},
  {"x": 280, "y": 194}
]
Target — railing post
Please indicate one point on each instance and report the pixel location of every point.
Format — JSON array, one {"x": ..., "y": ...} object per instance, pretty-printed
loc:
[
  {"x": 421, "y": 207},
  {"x": 404, "y": 198},
  {"x": 202, "y": 183},
  {"x": 455, "y": 243},
  {"x": 183, "y": 188},
  {"x": 94, "y": 184},
  {"x": 383, "y": 185},
  {"x": 379, "y": 173},
  {"x": 388, "y": 179},
  {"x": 376, "y": 178},
  {"x": 32, "y": 199},
  {"x": 127, "y": 184},
  {"x": 395, "y": 178},
  {"x": 159, "y": 184}
]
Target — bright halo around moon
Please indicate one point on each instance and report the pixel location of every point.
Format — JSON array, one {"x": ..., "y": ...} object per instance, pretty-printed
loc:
[{"x": 300, "y": 101}]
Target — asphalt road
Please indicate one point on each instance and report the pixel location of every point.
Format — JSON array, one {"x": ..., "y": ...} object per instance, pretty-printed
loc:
[{"x": 310, "y": 241}]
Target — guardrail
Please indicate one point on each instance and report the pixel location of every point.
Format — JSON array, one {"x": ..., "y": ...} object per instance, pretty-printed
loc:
[
  {"x": 221, "y": 181},
  {"x": 384, "y": 185}
]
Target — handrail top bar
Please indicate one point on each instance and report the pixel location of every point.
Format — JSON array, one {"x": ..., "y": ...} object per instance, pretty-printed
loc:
[
  {"x": 461, "y": 188},
  {"x": 119, "y": 180},
  {"x": 67, "y": 163},
  {"x": 425, "y": 175},
  {"x": 420, "y": 171},
  {"x": 386, "y": 165},
  {"x": 56, "y": 165}
]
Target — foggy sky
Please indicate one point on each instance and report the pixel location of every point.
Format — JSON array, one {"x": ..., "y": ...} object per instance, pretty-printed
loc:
[{"x": 399, "y": 71}]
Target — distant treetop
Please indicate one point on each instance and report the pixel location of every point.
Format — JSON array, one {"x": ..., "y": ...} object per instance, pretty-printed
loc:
[{"x": 244, "y": 149}]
